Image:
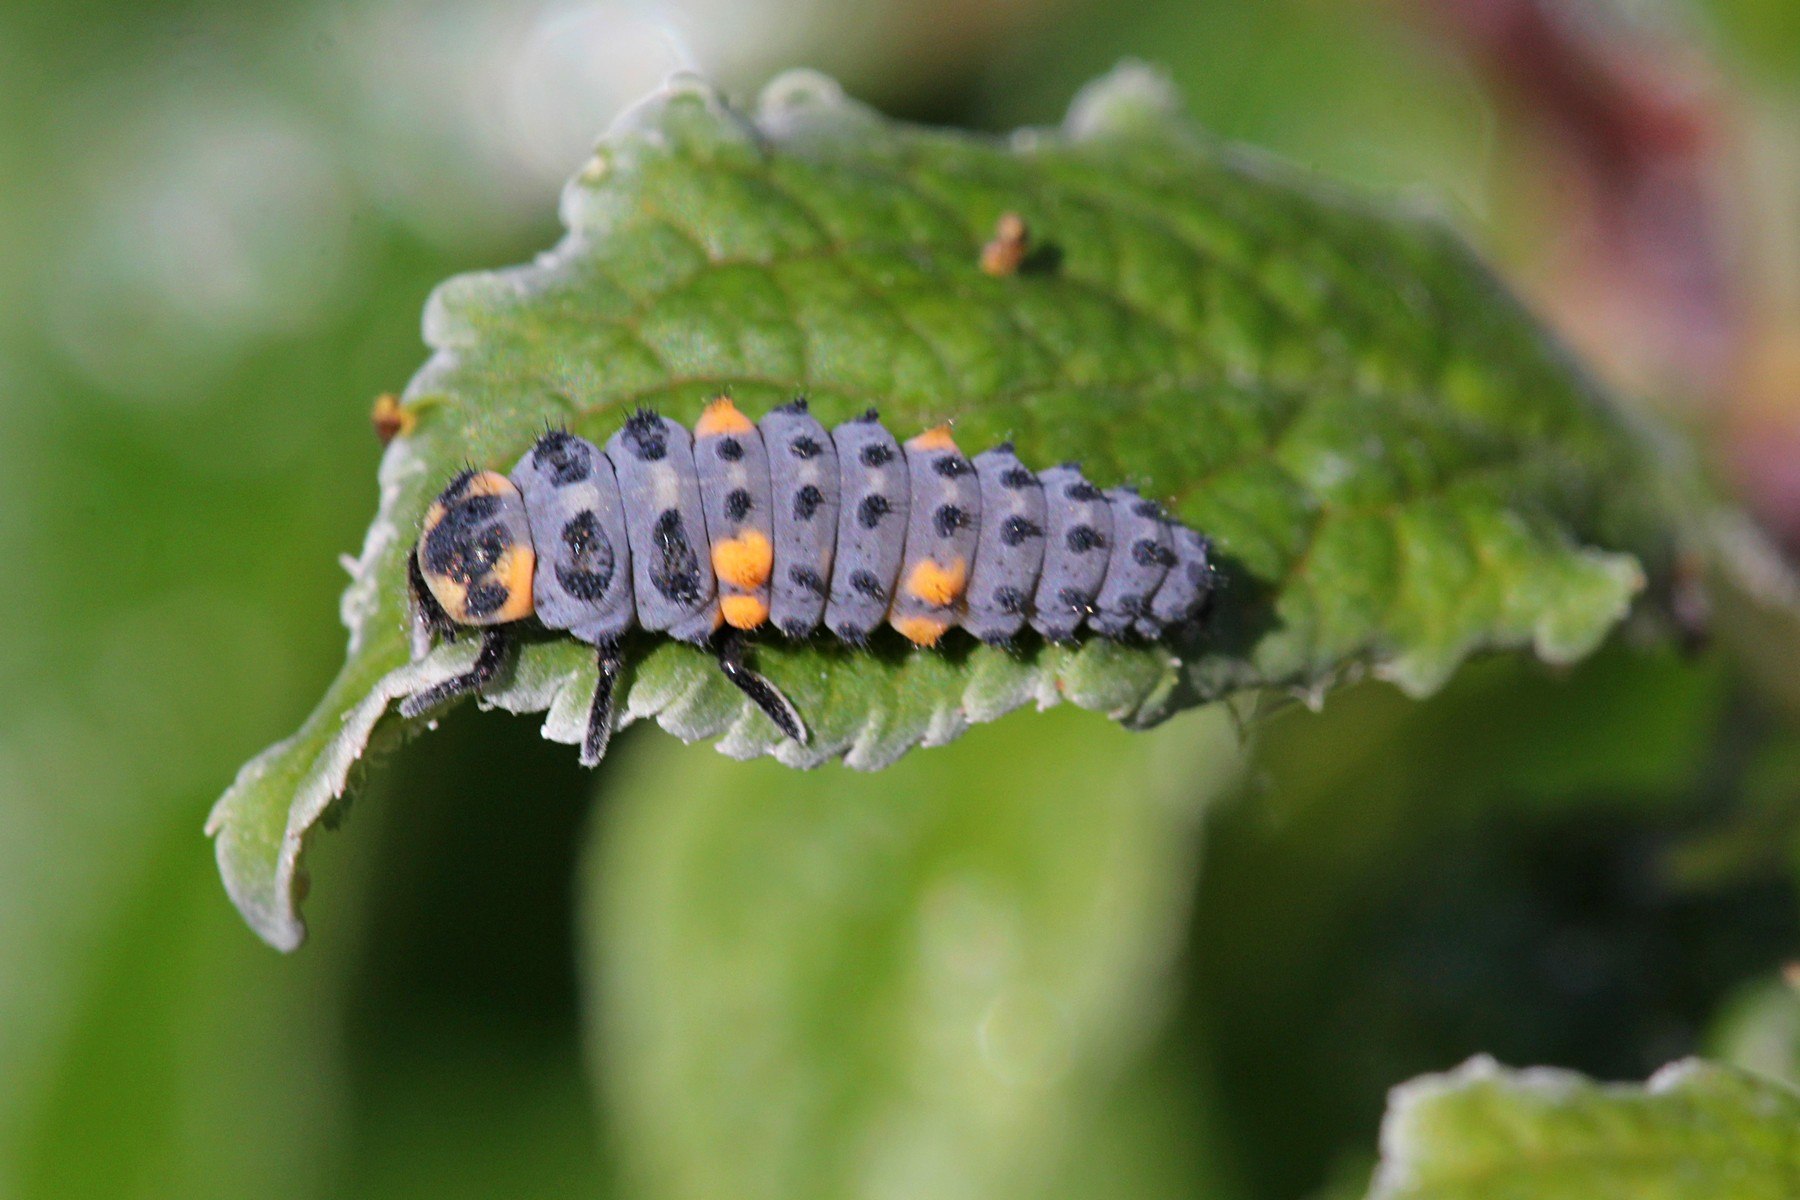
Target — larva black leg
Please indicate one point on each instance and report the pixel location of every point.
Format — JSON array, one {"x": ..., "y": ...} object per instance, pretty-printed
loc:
[
  {"x": 762, "y": 693},
  {"x": 600, "y": 712},
  {"x": 494, "y": 645},
  {"x": 430, "y": 621}
]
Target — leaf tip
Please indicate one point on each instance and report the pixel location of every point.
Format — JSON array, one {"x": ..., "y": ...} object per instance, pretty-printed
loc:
[{"x": 1599, "y": 598}]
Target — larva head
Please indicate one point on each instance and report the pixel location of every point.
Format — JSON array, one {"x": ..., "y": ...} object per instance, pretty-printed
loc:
[{"x": 475, "y": 550}]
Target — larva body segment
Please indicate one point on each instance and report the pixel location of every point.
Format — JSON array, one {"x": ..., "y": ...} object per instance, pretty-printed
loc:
[
  {"x": 734, "y": 490},
  {"x": 577, "y": 517},
  {"x": 672, "y": 571},
  {"x": 874, "y": 497},
  {"x": 942, "y": 524},
  {"x": 1077, "y": 544},
  {"x": 475, "y": 551},
  {"x": 1009, "y": 551},
  {"x": 1140, "y": 558},
  {"x": 803, "y": 469},
  {"x": 1186, "y": 588}
]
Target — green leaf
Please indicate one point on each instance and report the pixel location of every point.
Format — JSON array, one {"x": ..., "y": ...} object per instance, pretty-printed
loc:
[
  {"x": 918, "y": 982},
  {"x": 1695, "y": 1130},
  {"x": 1397, "y": 466}
]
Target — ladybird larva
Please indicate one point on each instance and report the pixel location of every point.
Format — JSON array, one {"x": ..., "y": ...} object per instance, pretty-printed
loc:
[{"x": 708, "y": 535}]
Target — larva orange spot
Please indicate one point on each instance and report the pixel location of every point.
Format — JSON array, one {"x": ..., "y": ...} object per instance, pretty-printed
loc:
[
  {"x": 921, "y": 631},
  {"x": 745, "y": 560},
  {"x": 743, "y": 612},
  {"x": 721, "y": 417},
  {"x": 937, "y": 438},
  {"x": 938, "y": 585}
]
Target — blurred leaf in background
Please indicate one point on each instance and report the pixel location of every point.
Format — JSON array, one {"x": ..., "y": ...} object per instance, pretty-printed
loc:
[{"x": 217, "y": 231}]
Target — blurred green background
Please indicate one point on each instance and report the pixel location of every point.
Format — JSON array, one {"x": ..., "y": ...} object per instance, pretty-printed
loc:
[{"x": 218, "y": 225}]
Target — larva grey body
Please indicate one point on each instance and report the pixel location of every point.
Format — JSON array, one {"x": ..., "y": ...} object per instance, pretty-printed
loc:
[
  {"x": 671, "y": 567},
  {"x": 733, "y": 472},
  {"x": 665, "y": 531},
  {"x": 1184, "y": 591},
  {"x": 874, "y": 492},
  {"x": 1140, "y": 558},
  {"x": 1009, "y": 552},
  {"x": 1077, "y": 544},
  {"x": 803, "y": 466},
  {"x": 740, "y": 525},
  {"x": 942, "y": 526},
  {"x": 583, "y": 579}
]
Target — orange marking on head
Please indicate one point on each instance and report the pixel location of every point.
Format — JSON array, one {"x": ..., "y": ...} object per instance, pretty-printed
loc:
[
  {"x": 720, "y": 417},
  {"x": 744, "y": 561},
  {"x": 921, "y": 631},
  {"x": 489, "y": 483},
  {"x": 743, "y": 612},
  {"x": 513, "y": 572},
  {"x": 938, "y": 585},
  {"x": 934, "y": 439}
]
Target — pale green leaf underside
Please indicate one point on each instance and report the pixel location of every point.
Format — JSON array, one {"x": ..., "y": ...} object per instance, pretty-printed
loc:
[
  {"x": 1696, "y": 1132},
  {"x": 1397, "y": 468}
]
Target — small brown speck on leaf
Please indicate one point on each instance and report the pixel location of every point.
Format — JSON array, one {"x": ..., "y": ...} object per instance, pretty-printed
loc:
[
  {"x": 1006, "y": 249},
  {"x": 389, "y": 418}
]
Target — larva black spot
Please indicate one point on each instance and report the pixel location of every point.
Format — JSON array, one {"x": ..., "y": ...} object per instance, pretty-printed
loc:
[
  {"x": 794, "y": 407},
  {"x": 583, "y": 585},
  {"x": 948, "y": 519},
  {"x": 877, "y": 455},
  {"x": 1009, "y": 600},
  {"x": 485, "y": 598},
  {"x": 1082, "y": 491},
  {"x": 1014, "y": 478},
  {"x": 474, "y": 509},
  {"x": 868, "y": 585},
  {"x": 730, "y": 449},
  {"x": 644, "y": 433},
  {"x": 460, "y": 552},
  {"x": 1083, "y": 538},
  {"x": 1147, "y": 553},
  {"x": 952, "y": 466},
  {"x": 807, "y": 501},
  {"x": 809, "y": 579},
  {"x": 805, "y": 447},
  {"x": 1072, "y": 600},
  {"x": 1017, "y": 529},
  {"x": 796, "y": 628},
  {"x": 676, "y": 571},
  {"x": 868, "y": 418},
  {"x": 581, "y": 532},
  {"x": 737, "y": 504},
  {"x": 585, "y": 572},
  {"x": 1150, "y": 510},
  {"x": 457, "y": 486},
  {"x": 563, "y": 458},
  {"x": 871, "y": 510}
]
